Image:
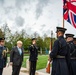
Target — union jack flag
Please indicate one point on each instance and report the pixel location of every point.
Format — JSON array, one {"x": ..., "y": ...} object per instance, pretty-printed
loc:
[
  {"x": 69, "y": 11},
  {"x": 72, "y": 0}
]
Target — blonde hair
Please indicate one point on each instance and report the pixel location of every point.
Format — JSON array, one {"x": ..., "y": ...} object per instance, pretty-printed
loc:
[{"x": 19, "y": 42}]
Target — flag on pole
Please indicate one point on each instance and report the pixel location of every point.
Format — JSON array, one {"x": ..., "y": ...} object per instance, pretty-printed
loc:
[
  {"x": 72, "y": 0},
  {"x": 69, "y": 11}
]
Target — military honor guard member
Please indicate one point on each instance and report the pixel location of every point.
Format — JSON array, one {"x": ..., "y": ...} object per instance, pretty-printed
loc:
[
  {"x": 16, "y": 58},
  {"x": 59, "y": 54},
  {"x": 72, "y": 53},
  {"x": 33, "y": 56},
  {"x": 3, "y": 55}
]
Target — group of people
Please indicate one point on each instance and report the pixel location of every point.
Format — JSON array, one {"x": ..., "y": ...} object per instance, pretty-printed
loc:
[
  {"x": 63, "y": 54},
  {"x": 16, "y": 57}
]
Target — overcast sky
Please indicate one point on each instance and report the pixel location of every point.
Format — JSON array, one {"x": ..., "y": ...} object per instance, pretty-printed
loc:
[{"x": 39, "y": 16}]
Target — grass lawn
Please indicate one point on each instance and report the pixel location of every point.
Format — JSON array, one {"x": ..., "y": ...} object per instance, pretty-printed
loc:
[{"x": 41, "y": 63}]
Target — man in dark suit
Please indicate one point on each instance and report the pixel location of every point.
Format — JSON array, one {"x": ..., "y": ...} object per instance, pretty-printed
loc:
[
  {"x": 59, "y": 54},
  {"x": 16, "y": 58},
  {"x": 3, "y": 55},
  {"x": 33, "y": 56}
]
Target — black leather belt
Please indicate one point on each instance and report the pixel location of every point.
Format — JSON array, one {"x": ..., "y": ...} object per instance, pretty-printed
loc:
[{"x": 59, "y": 56}]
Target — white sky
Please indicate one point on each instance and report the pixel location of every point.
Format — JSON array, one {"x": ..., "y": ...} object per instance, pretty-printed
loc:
[{"x": 39, "y": 16}]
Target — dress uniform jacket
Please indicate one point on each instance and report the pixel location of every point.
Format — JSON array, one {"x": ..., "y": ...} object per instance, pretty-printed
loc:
[
  {"x": 33, "y": 53},
  {"x": 72, "y": 51},
  {"x": 59, "y": 54},
  {"x": 3, "y": 56}
]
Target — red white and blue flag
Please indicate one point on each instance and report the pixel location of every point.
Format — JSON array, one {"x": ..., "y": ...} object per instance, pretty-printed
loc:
[
  {"x": 69, "y": 11},
  {"x": 72, "y": 0}
]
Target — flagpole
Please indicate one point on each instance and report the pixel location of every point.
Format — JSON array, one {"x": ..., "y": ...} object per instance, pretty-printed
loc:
[
  {"x": 63, "y": 22},
  {"x": 63, "y": 16},
  {"x": 49, "y": 59}
]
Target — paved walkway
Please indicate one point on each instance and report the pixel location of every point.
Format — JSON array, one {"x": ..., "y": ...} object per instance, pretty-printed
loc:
[
  {"x": 8, "y": 71},
  {"x": 42, "y": 70}
]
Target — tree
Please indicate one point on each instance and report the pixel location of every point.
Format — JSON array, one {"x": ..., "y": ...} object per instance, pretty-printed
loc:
[
  {"x": 40, "y": 42},
  {"x": 36, "y": 34},
  {"x": 46, "y": 42},
  {"x": 27, "y": 43},
  {"x": 7, "y": 31},
  {"x": 1, "y": 33}
]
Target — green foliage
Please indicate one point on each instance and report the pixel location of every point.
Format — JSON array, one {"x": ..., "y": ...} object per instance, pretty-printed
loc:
[
  {"x": 8, "y": 45},
  {"x": 11, "y": 39},
  {"x": 46, "y": 42},
  {"x": 26, "y": 43},
  {"x": 1, "y": 33},
  {"x": 40, "y": 42}
]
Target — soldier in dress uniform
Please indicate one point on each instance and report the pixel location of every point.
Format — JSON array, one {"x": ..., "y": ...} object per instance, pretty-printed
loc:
[
  {"x": 72, "y": 53},
  {"x": 59, "y": 54},
  {"x": 33, "y": 56},
  {"x": 3, "y": 55}
]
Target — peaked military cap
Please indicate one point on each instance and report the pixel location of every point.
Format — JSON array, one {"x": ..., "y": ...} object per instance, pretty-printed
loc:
[
  {"x": 61, "y": 29},
  {"x": 2, "y": 38},
  {"x": 69, "y": 35},
  {"x": 74, "y": 38},
  {"x": 33, "y": 39}
]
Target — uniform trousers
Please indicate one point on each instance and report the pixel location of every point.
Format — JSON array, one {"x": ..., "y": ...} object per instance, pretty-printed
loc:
[{"x": 32, "y": 67}]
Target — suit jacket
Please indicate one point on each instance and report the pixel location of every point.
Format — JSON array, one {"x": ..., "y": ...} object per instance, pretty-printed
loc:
[{"x": 15, "y": 56}]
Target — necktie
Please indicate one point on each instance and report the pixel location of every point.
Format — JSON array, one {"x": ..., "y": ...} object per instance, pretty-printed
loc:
[{"x": 20, "y": 51}]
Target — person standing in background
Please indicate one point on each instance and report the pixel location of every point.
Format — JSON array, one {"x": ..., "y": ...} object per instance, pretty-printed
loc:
[{"x": 72, "y": 53}]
